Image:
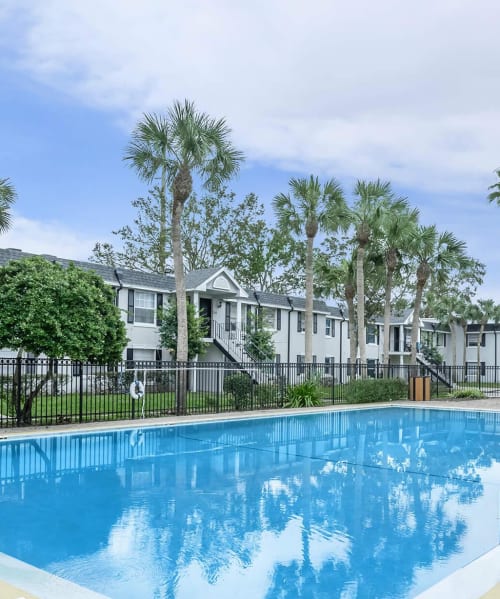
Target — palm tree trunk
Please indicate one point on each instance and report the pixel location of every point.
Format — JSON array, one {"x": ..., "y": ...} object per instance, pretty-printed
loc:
[
  {"x": 308, "y": 351},
  {"x": 416, "y": 318},
  {"x": 387, "y": 317},
  {"x": 360, "y": 290},
  {"x": 182, "y": 187},
  {"x": 162, "y": 236}
]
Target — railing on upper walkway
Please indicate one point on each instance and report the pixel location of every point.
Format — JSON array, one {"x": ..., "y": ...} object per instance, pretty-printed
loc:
[{"x": 62, "y": 391}]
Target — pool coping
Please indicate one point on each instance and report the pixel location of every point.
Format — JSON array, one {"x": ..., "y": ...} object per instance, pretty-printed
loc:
[{"x": 479, "y": 579}]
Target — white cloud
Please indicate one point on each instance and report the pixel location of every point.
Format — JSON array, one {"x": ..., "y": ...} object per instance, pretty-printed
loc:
[
  {"x": 406, "y": 91},
  {"x": 47, "y": 238}
]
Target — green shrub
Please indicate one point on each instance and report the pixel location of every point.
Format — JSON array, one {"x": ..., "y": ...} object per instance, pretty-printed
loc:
[
  {"x": 267, "y": 396},
  {"x": 471, "y": 393},
  {"x": 304, "y": 395},
  {"x": 240, "y": 386},
  {"x": 374, "y": 390}
]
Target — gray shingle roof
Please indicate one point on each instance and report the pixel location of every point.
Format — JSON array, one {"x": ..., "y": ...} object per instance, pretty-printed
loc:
[
  {"x": 275, "y": 299},
  {"x": 197, "y": 277},
  {"x": 166, "y": 283},
  {"x": 128, "y": 278}
]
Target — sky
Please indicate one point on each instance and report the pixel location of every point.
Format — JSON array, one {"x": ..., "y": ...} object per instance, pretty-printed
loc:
[{"x": 403, "y": 91}]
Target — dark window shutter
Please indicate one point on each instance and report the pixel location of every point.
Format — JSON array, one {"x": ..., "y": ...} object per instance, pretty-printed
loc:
[
  {"x": 227, "y": 319},
  {"x": 159, "y": 308},
  {"x": 158, "y": 355},
  {"x": 278, "y": 319},
  {"x": 130, "y": 312},
  {"x": 315, "y": 323},
  {"x": 130, "y": 358},
  {"x": 483, "y": 340}
]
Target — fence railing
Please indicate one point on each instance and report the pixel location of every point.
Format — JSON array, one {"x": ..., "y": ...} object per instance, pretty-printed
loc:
[{"x": 42, "y": 392}]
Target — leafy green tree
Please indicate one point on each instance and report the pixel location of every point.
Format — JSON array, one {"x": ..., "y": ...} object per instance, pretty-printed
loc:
[
  {"x": 216, "y": 230},
  {"x": 259, "y": 344},
  {"x": 59, "y": 312},
  {"x": 451, "y": 302},
  {"x": 196, "y": 331},
  {"x": 311, "y": 207},
  {"x": 494, "y": 196},
  {"x": 7, "y": 198},
  {"x": 437, "y": 255},
  {"x": 173, "y": 148}
]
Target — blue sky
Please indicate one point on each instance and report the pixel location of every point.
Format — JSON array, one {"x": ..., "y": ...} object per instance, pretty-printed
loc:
[{"x": 402, "y": 91}]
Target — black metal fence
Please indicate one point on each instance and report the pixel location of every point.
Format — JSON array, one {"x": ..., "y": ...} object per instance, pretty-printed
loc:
[{"x": 42, "y": 392}]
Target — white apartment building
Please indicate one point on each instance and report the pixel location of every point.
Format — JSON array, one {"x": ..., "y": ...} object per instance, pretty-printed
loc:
[{"x": 228, "y": 308}]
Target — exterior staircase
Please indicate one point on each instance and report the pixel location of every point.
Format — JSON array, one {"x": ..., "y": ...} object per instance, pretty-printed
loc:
[
  {"x": 434, "y": 371},
  {"x": 232, "y": 345}
]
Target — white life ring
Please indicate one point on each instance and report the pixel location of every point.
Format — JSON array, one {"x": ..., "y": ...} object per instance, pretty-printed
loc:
[{"x": 136, "y": 390}]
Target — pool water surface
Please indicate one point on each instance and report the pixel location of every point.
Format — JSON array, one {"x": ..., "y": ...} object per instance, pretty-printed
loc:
[{"x": 360, "y": 503}]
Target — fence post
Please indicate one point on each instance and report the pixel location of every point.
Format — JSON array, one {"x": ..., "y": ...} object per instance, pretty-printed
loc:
[
  {"x": 17, "y": 392},
  {"x": 80, "y": 378}
]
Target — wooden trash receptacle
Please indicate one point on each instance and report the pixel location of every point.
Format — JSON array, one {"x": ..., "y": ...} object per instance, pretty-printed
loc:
[{"x": 420, "y": 388}]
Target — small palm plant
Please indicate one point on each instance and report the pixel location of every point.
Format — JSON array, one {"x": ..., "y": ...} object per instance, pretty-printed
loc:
[{"x": 304, "y": 395}]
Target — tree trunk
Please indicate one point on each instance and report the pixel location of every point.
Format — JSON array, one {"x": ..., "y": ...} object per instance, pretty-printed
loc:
[
  {"x": 308, "y": 349},
  {"x": 416, "y": 318},
  {"x": 353, "y": 346},
  {"x": 360, "y": 291},
  {"x": 181, "y": 189},
  {"x": 162, "y": 236},
  {"x": 387, "y": 318}
]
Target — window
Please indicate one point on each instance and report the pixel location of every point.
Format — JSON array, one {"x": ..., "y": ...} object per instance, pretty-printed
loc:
[
  {"x": 370, "y": 368},
  {"x": 315, "y": 323},
  {"x": 141, "y": 307},
  {"x": 249, "y": 318},
  {"x": 268, "y": 318},
  {"x": 300, "y": 364},
  {"x": 330, "y": 327},
  {"x": 372, "y": 333},
  {"x": 278, "y": 319},
  {"x": 441, "y": 339},
  {"x": 227, "y": 317},
  {"x": 301, "y": 324},
  {"x": 329, "y": 361},
  {"x": 473, "y": 339},
  {"x": 471, "y": 369}
]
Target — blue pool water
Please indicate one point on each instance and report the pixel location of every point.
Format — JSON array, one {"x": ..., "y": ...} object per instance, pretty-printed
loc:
[{"x": 365, "y": 503}]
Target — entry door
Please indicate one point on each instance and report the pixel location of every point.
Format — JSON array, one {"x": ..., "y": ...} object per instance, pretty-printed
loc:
[
  {"x": 396, "y": 339},
  {"x": 206, "y": 313}
]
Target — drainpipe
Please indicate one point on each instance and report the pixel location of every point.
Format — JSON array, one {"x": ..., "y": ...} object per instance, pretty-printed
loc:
[
  {"x": 290, "y": 303},
  {"x": 120, "y": 285},
  {"x": 495, "y": 331},
  {"x": 340, "y": 361}
]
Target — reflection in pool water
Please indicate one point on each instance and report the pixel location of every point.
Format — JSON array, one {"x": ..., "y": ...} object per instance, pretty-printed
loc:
[{"x": 365, "y": 503}]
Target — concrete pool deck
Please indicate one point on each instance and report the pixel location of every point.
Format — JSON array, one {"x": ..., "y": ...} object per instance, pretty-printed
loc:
[{"x": 478, "y": 580}]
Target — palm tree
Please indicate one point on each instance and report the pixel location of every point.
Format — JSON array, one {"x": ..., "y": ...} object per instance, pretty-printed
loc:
[
  {"x": 312, "y": 208},
  {"x": 398, "y": 223},
  {"x": 7, "y": 198},
  {"x": 494, "y": 196},
  {"x": 436, "y": 255},
  {"x": 373, "y": 197},
  {"x": 173, "y": 148}
]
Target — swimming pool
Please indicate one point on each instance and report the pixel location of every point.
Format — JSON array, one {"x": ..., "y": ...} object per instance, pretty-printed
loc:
[{"x": 362, "y": 503}]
